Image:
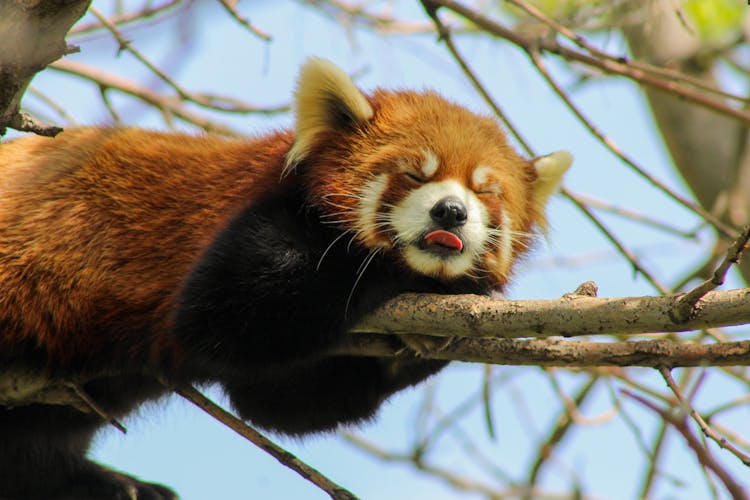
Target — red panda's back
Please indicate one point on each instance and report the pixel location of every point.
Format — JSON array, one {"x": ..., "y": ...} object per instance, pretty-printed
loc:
[{"x": 98, "y": 228}]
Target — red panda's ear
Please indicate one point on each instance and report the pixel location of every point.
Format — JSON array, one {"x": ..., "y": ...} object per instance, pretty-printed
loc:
[
  {"x": 326, "y": 99},
  {"x": 549, "y": 170}
]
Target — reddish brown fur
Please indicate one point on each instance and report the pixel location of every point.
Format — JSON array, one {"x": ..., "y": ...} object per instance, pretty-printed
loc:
[
  {"x": 91, "y": 241},
  {"x": 88, "y": 237}
]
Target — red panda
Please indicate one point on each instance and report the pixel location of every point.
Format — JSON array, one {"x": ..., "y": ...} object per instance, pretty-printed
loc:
[{"x": 132, "y": 253}]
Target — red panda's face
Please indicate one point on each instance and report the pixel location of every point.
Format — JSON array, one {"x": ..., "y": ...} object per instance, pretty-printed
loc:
[
  {"x": 439, "y": 223},
  {"x": 418, "y": 178}
]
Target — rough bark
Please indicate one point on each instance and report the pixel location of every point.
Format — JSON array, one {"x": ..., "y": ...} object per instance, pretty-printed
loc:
[
  {"x": 565, "y": 353},
  {"x": 473, "y": 316},
  {"x": 33, "y": 35}
]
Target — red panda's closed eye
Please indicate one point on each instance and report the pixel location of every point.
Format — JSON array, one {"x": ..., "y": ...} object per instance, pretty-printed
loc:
[{"x": 415, "y": 178}]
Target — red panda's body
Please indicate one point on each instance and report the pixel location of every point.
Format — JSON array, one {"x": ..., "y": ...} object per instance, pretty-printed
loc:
[
  {"x": 134, "y": 253},
  {"x": 100, "y": 234}
]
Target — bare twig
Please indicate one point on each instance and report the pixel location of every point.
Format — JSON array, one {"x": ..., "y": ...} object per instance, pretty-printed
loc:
[
  {"x": 633, "y": 215},
  {"x": 613, "y": 65},
  {"x": 456, "y": 481},
  {"x": 702, "y": 454},
  {"x": 167, "y": 104},
  {"x": 52, "y": 104},
  {"x": 231, "y": 8},
  {"x": 380, "y": 23},
  {"x": 705, "y": 428},
  {"x": 655, "y": 456},
  {"x": 609, "y": 144},
  {"x": 619, "y": 245},
  {"x": 147, "y": 12},
  {"x": 729, "y": 405},
  {"x": 686, "y": 304},
  {"x": 284, "y": 457},
  {"x": 581, "y": 41},
  {"x": 487, "y": 387},
  {"x": 94, "y": 406},
  {"x": 564, "y": 423},
  {"x": 25, "y": 123},
  {"x": 451, "y": 478},
  {"x": 209, "y": 101}
]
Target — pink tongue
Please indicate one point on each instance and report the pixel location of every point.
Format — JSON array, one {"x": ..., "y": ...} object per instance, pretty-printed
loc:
[{"x": 444, "y": 238}]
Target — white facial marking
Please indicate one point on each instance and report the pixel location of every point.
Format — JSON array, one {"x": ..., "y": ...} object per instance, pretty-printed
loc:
[
  {"x": 411, "y": 219},
  {"x": 369, "y": 203},
  {"x": 480, "y": 176},
  {"x": 430, "y": 164}
]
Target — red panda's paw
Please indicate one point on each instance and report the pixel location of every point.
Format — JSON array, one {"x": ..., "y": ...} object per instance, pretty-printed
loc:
[
  {"x": 425, "y": 346},
  {"x": 101, "y": 483}
]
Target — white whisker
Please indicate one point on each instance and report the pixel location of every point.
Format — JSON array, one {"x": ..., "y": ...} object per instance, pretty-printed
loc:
[
  {"x": 360, "y": 272},
  {"x": 325, "y": 252}
]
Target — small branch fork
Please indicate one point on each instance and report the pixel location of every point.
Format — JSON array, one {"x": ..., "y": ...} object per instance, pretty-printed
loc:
[
  {"x": 687, "y": 305},
  {"x": 703, "y": 455},
  {"x": 705, "y": 428},
  {"x": 231, "y": 7}
]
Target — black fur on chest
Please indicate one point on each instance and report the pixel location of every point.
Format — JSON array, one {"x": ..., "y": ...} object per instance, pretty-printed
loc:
[{"x": 274, "y": 292}]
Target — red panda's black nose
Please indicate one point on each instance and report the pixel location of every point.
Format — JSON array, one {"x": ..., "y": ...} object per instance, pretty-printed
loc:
[{"x": 449, "y": 212}]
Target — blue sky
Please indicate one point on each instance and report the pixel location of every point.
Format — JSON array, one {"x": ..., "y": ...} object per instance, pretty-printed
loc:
[{"x": 174, "y": 443}]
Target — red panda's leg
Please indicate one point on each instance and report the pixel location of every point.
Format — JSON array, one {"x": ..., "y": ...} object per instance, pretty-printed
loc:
[
  {"x": 318, "y": 396},
  {"x": 42, "y": 455},
  {"x": 260, "y": 312},
  {"x": 43, "y": 447},
  {"x": 96, "y": 482}
]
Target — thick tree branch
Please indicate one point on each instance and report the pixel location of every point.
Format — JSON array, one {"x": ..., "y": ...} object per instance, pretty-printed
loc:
[
  {"x": 474, "y": 316},
  {"x": 466, "y": 317},
  {"x": 33, "y": 34},
  {"x": 568, "y": 353}
]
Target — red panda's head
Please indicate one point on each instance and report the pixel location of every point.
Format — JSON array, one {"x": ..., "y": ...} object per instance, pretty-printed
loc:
[{"x": 420, "y": 178}]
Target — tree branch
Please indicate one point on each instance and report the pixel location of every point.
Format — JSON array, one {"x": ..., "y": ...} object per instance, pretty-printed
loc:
[
  {"x": 615, "y": 65},
  {"x": 705, "y": 428},
  {"x": 568, "y": 353},
  {"x": 333, "y": 490},
  {"x": 475, "y": 316},
  {"x": 701, "y": 452},
  {"x": 686, "y": 303},
  {"x": 33, "y": 34}
]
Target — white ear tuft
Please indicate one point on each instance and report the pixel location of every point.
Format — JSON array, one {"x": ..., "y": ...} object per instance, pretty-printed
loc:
[
  {"x": 550, "y": 170},
  {"x": 326, "y": 99}
]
